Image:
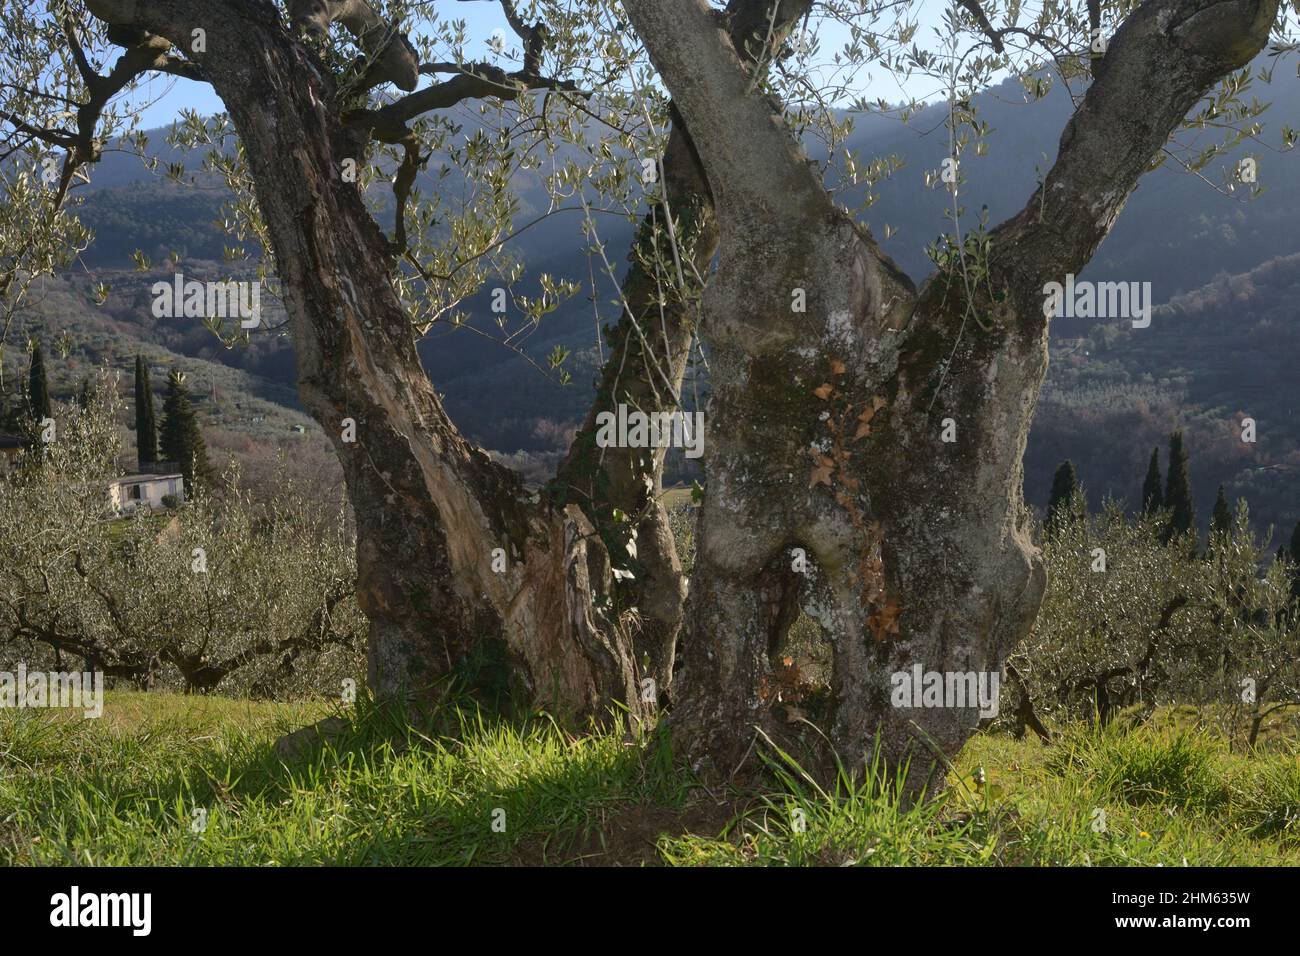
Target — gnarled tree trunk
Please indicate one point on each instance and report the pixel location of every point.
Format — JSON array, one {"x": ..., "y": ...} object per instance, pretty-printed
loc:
[
  {"x": 826, "y": 430},
  {"x": 650, "y": 347},
  {"x": 430, "y": 507}
]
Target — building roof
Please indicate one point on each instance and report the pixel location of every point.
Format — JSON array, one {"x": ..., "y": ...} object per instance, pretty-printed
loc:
[{"x": 141, "y": 479}]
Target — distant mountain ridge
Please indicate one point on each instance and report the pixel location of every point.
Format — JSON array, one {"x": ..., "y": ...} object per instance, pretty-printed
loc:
[{"x": 1226, "y": 270}]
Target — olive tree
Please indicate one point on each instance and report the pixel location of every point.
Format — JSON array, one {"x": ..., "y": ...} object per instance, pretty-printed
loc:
[
  {"x": 1114, "y": 619},
  {"x": 871, "y": 424},
  {"x": 222, "y": 595},
  {"x": 1132, "y": 621},
  {"x": 827, "y": 426},
  {"x": 1252, "y": 671}
]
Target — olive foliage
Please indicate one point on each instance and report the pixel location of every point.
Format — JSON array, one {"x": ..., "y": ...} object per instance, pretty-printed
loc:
[
  {"x": 222, "y": 594},
  {"x": 1130, "y": 622}
]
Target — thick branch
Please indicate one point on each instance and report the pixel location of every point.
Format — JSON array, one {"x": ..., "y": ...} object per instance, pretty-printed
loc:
[
  {"x": 649, "y": 348},
  {"x": 474, "y": 81},
  {"x": 753, "y": 163},
  {"x": 1165, "y": 57},
  {"x": 390, "y": 56},
  {"x": 982, "y": 21}
]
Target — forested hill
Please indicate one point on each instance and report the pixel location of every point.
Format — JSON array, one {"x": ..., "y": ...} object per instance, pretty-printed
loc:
[
  {"x": 1212, "y": 357},
  {"x": 1222, "y": 348}
]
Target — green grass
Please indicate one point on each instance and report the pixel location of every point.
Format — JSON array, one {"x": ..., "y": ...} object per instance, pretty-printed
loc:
[{"x": 123, "y": 790}]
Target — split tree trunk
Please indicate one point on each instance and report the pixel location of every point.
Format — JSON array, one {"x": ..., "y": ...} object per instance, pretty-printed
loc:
[
  {"x": 826, "y": 428},
  {"x": 649, "y": 350}
]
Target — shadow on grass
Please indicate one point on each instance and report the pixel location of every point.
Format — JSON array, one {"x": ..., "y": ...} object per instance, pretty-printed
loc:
[{"x": 457, "y": 786}]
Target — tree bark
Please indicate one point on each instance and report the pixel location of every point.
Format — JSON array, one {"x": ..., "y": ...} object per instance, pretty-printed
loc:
[
  {"x": 826, "y": 429},
  {"x": 430, "y": 507},
  {"x": 649, "y": 350}
]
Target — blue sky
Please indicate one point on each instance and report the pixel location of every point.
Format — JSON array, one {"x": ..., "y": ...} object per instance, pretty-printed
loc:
[
  {"x": 166, "y": 96},
  {"x": 480, "y": 18}
]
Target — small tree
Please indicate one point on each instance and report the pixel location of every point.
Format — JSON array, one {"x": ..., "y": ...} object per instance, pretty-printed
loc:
[
  {"x": 1221, "y": 520},
  {"x": 146, "y": 426},
  {"x": 247, "y": 597},
  {"x": 1152, "y": 498},
  {"x": 1129, "y": 622},
  {"x": 38, "y": 388},
  {"x": 1293, "y": 552},
  {"x": 1248, "y": 662},
  {"x": 1178, "y": 489},
  {"x": 181, "y": 439},
  {"x": 1064, "y": 486},
  {"x": 1110, "y": 618}
]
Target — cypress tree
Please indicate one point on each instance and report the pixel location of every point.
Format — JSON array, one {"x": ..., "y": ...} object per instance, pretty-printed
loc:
[
  {"x": 38, "y": 387},
  {"x": 1294, "y": 554},
  {"x": 146, "y": 427},
  {"x": 1064, "y": 485},
  {"x": 1221, "y": 520},
  {"x": 12, "y": 413},
  {"x": 1152, "y": 499},
  {"x": 1178, "y": 488},
  {"x": 181, "y": 439}
]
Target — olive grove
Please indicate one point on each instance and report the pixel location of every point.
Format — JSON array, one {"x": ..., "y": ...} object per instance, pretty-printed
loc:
[
  {"x": 865, "y": 429},
  {"x": 225, "y": 594}
]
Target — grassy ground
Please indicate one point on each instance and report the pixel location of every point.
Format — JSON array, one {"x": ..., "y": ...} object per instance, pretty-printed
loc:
[{"x": 125, "y": 790}]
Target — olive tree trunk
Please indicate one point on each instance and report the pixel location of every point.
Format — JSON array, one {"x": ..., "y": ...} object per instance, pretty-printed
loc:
[
  {"x": 649, "y": 350},
  {"x": 881, "y": 429},
  {"x": 431, "y": 508}
]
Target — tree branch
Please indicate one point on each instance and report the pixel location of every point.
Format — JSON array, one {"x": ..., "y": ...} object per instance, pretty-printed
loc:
[
  {"x": 88, "y": 74},
  {"x": 754, "y": 164},
  {"x": 479, "y": 80},
  {"x": 54, "y": 137},
  {"x": 1164, "y": 58},
  {"x": 982, "y": 21},
  {"x": 473, "y": 81},
  {"x": 391, "y": 58}
]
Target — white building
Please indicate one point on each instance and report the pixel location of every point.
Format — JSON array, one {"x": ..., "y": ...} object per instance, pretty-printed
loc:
[{"x": 132, "y": 492}]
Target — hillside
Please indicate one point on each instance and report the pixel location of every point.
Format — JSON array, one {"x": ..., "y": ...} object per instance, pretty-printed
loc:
[
  {"x": 1112, "y": 392},
  {"x": 247, "y": 412},
  {"x": 1212, "y": 356}
]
